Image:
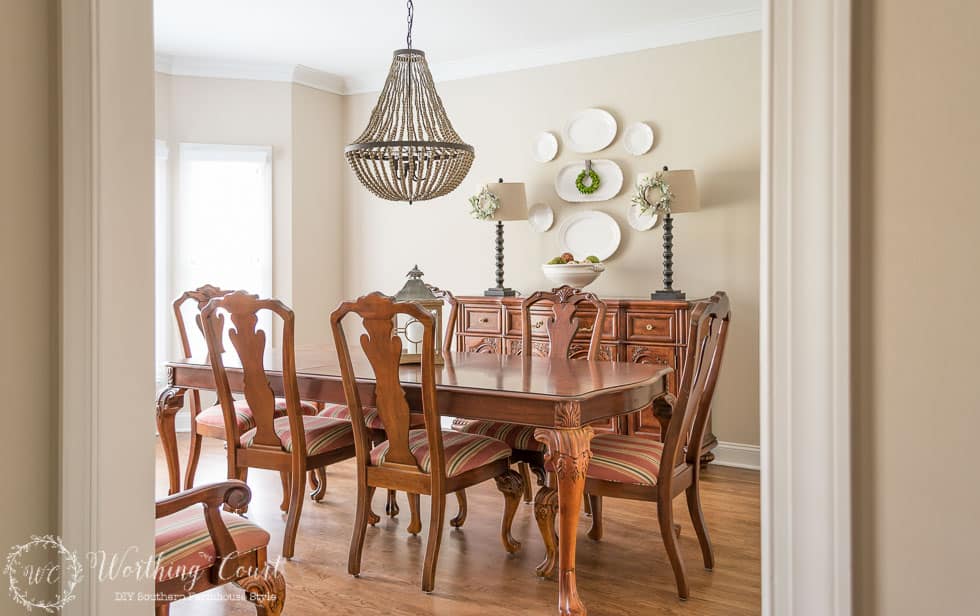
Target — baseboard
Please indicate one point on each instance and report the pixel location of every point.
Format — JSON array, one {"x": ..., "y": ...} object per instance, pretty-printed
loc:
[{"x": 737, "y": 455}]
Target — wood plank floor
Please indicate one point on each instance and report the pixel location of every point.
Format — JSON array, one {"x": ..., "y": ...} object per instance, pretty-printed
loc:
[{"x": 627, "y": 573}]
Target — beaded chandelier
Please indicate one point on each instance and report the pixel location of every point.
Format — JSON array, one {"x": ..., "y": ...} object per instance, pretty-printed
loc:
[{"x": 409, "y": 150}]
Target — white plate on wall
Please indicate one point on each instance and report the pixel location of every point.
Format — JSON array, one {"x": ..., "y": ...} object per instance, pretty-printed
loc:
[
  {"x": 639, "y": 221},
  {"x": 540, "y": 216},
  {"x": 638, "y": 138},
  {"x": 589, "y": 233},
  {"x": 610, "y": 181},
  {"x": 589, "y": 130},
  {"x": 544, "y": 147}
]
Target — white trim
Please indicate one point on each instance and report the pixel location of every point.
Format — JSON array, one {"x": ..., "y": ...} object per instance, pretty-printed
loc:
[
  {"x": 737, "y": 455},
  {"x": 805, "y": 305},
  {"x": 660, "y": 34}
]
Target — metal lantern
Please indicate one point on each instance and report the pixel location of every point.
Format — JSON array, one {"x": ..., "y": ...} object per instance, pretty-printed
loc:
[
  {"x": 409, "y": 150},
  {"x": 408, "y": 328}
]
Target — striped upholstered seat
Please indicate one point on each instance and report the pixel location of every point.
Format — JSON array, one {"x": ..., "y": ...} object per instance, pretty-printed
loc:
[
  {"x": 322, "y": 434},
  {"x": 516, "y": 436},
  {"x": 183, "y": 545},
  {"x": 215, "y": 418},
  {"x": 633, "y": 459},
  {"x": 371, "y": 418},
  {"x": 464, "y": 452}
]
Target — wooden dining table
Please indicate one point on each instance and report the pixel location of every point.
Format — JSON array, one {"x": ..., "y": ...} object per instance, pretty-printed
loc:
[{"x": 560, "y": 397}]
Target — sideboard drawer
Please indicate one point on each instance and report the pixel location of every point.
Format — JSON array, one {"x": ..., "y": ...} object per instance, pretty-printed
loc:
[
  {"x": 649, "y": 354},
  {"x": 479, "y": 344},
  {"x": 481, "y": 320},
  {"x": 538, "y": 317},
  {"x": 651, "y": 326},
  {"x": 586, "y": 321}
]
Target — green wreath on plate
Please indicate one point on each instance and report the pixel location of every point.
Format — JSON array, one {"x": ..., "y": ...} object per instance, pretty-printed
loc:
[{"x": 593, "y": 182}]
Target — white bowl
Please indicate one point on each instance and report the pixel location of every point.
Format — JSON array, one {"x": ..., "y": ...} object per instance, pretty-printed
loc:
[{"x": 577, "y": 275}]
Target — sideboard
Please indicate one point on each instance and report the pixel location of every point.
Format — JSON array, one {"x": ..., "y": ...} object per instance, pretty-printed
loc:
[{"x": 635, "y": 330}]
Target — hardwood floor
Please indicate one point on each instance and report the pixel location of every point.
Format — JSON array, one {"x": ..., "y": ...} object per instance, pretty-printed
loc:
[{"x": 627, "y": 573}]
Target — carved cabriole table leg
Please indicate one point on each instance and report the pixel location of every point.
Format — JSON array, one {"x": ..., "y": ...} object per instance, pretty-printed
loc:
[
  {"x": 568, "y": 454},
  {"x": 169, "y": 402}
]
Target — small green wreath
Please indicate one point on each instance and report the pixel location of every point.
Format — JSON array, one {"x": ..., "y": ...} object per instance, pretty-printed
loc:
[
  {"x": 659, "y": 183},
  {"x": 593, "y": 182},
  {"x": 484, "y": 204}
]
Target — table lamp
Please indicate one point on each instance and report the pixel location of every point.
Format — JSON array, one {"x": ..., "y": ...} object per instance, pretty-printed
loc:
[
  {"x": 684, "y": 188},
  {"x": 513, "y": 206}
]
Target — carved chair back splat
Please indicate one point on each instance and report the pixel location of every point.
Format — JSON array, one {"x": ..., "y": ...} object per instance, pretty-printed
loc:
[{"x": 562, "y": 325}]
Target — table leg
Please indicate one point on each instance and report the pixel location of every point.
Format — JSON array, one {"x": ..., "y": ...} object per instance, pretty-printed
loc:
[
  {"x": 169, "y": 402},
  {"x": 569, "y": 455}
]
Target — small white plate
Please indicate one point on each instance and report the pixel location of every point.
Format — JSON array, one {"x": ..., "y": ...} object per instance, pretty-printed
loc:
[
  {"x": 638, "y": 138},
  {"x": 641, "y": 222},
  {"x": 540, "y": 216},
  {"x": 610, "y": 181},
  {"x": 589, "y": 130},
  {"x": 544, "y": 147},
  {"x": 589, "y": 233}
]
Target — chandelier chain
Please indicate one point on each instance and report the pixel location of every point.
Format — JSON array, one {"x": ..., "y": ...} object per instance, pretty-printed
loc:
[{"x": 411, "y": 15}]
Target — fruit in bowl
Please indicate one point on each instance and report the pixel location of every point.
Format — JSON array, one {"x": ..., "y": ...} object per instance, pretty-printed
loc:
[{"x": 565, "y": 270}]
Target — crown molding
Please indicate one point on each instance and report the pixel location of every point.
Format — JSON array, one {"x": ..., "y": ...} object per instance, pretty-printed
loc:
[{"x": 656, "y": 35}]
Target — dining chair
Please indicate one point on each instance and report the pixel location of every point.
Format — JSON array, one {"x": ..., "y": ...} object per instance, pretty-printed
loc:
[
  {"x": 210, "y": 422},
  {"x": 293, "y": 444},
  {"x": 198, "y": 547},
  {"x": 561, "y": 327},
  {"x": 421, "y": 461},
  {"x": 641, "y": 467}
]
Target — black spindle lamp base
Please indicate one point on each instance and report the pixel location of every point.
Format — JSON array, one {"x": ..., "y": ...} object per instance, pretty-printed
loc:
[
  {"x": 668, "y": 292},
  {"x": 500, "y": 290}
]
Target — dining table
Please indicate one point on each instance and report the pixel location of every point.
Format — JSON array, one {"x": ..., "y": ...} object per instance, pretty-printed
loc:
[{"x": 560, "y": 397}]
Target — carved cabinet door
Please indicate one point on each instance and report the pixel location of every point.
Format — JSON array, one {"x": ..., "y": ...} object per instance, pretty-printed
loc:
[{"x": 644, "y": 421}]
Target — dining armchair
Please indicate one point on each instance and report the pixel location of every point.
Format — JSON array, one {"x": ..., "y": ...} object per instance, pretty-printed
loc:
[
  {"x": 210, "y": 422},
  {"x": 418, "y": 461},
  {"x": 293, "y": 444},
  {"x": 640, "y": 467},
  {"x": 199, "y": 547}
]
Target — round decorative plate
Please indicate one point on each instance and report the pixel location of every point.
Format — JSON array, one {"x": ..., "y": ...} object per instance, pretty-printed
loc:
[
  {"x": 544, "y": 147},
  {"x": 589, "y": 233},
  {"x": 589, "y": 130},
  {"x": 639, "y": 221},
  {"x": 540, "y": 216},
  {"x": 610, "y": 181},
  {"x": 638, "y": 138}
]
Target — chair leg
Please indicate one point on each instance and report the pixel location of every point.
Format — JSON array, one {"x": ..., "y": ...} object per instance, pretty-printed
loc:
[
  {"x": 587, "y": 505},
  {"x": 193, "y": 457},
  {"x": 162, "y": 610},
  {"x": 267, "y": 590},
  {"x": 525, "y": 470},
  {"x": 372, "y": 517},
  {"x": 511, "y": 484},
  {"x": 435, "y": 538},
  {"x": 361, "y": 520},
  {"x": 284, "y": 480},
  {"x": 665, "y": 515},
  {"x": 595, "y": 503},
  {"x": 414, "y": 504},
  {"x": 297, "y": 487},
  {"x": 697, "y": 519},
  {"x": 460, "y": 518},
  {"x": 321, "y": 484},
  {"x": 545, "y": 511},
  {"x": 391, "y": 505}
]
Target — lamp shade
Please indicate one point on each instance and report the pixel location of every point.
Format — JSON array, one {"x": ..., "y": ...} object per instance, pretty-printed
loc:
[
  {"x": 513, "y": 200},
  {"x": 685, "y": 190}
]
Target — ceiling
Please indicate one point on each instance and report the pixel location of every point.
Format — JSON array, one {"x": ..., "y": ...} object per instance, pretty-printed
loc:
[{"x": 352, "y": 41}]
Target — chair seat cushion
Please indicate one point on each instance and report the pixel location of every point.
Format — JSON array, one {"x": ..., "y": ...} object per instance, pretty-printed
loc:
[
  {"x": 633, "y": 459},
  {"x": 183, "y": 545},
  {"x": 322, "y": 434},
  {"x": 515, "y": 435},
  {"x": 371, "y": 418},
  {"x": 464, "y": 452},
  {"x": 213, "y": 417}
]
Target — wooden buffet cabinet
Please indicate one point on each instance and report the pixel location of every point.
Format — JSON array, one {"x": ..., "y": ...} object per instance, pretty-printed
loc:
[{"x": 635, "y": 330}]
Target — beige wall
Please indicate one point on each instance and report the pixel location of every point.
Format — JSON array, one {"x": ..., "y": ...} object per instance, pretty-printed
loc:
[
  {"x": 703, "y": 100},
  {"x": 28, "y": 276},
  {"x": 917, "y": 218}
]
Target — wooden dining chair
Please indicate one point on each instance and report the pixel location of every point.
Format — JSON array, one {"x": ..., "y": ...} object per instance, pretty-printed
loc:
[
  {"x": 210, "y": 422},
  {"x": 561, "y": 326},
  {"x": 641, "y": 467},
  {"x": 293, "y": 444},
  {"x": 422, "y": 461},
  {"x": 198, "y": 547}
]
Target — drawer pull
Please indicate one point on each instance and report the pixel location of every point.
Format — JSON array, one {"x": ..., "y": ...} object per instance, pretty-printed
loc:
[
  {"x": 649, "y": 327},
  {"x": 539, "y": 324},
  {"x": 484, "y": 320},
  {"x": 585, "y": 330}
]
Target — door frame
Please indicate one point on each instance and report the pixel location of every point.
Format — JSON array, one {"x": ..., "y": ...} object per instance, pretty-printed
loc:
[{"x": 804, "y": 303}]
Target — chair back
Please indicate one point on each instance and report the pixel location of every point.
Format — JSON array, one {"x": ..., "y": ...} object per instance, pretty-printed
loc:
[
  {"x": 250, "y": 344},
  {"x": 383, "y": 348},
  {"x": 562, "y": 325},
  {"x": 707, "y": 332},
  {"x": 201, "y": 296},
  {"x": 450, "y": 333}
]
